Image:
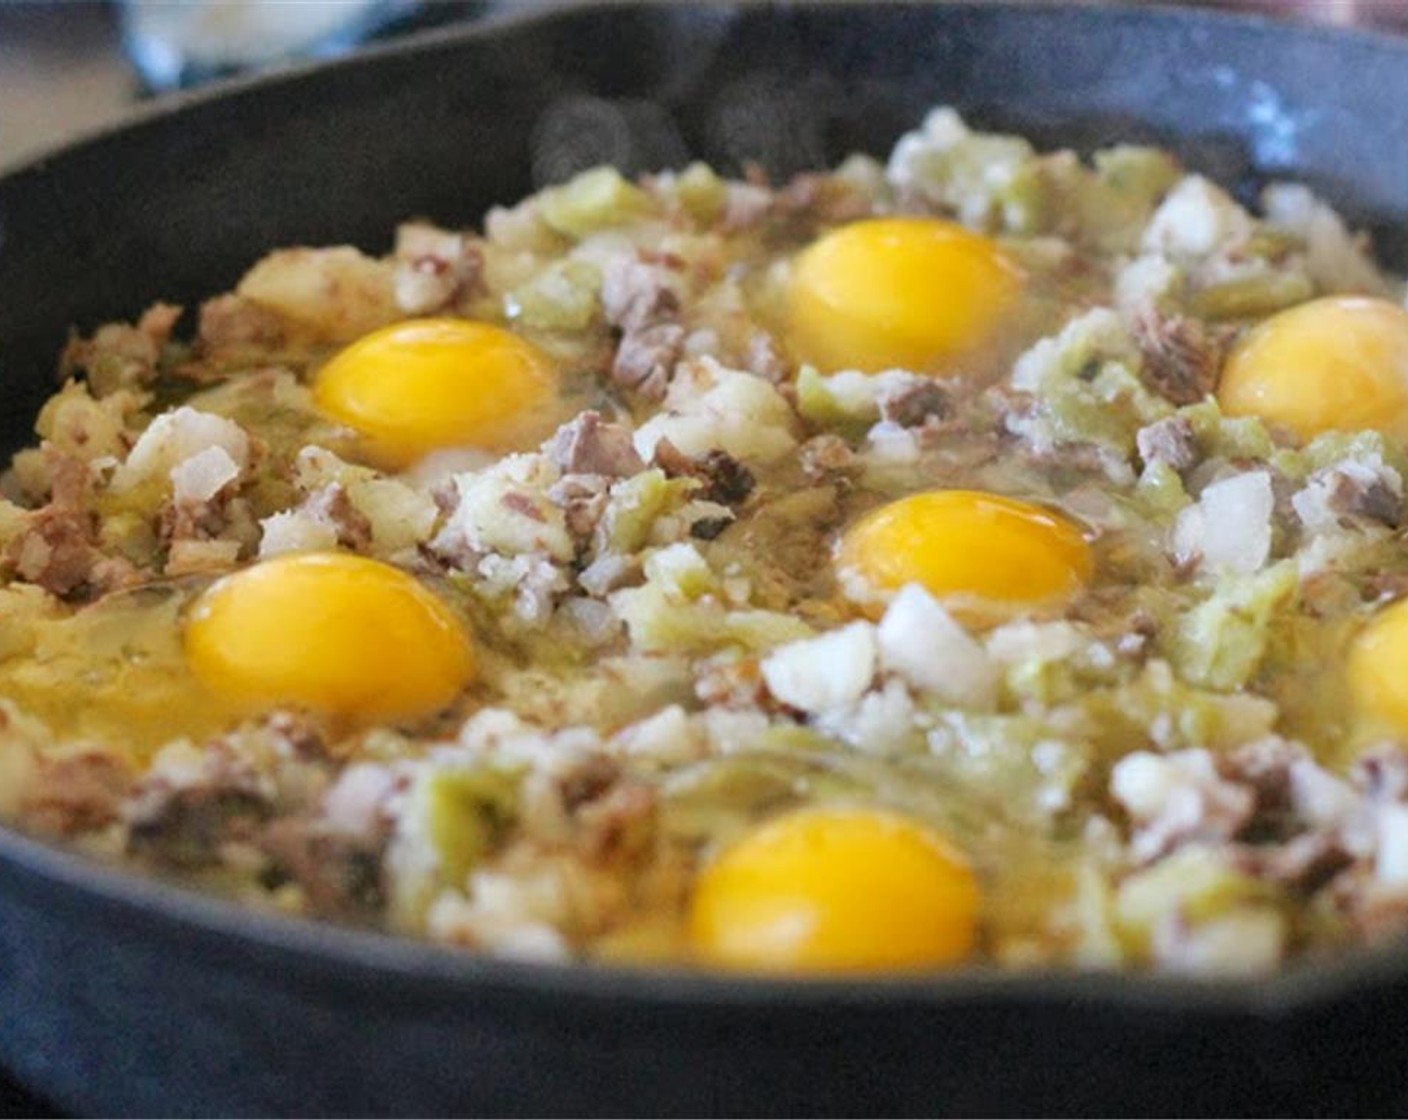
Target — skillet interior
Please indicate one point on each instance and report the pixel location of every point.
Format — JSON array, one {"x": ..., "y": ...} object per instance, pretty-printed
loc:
[{"x": 123, "y": 996}]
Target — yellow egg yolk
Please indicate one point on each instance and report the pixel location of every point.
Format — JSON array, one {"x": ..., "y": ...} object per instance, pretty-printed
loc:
[
  {"x": 1378, "y": 670},
  {"x": 907, "y": 293},
  {"x": 835, "y": 890},
  {"x": 1335, "y": 364},
  {"x": 970, "y": 547},
  {"x": 335, "y": 633},
  {"x": 427, "y": 384}
]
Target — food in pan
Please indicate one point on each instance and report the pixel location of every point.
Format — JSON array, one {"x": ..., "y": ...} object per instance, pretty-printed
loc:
[{"x": 984, "y": 556}]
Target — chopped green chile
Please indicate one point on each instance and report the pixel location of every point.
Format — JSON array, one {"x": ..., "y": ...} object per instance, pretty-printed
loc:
[{"x": 668, "y": 652}]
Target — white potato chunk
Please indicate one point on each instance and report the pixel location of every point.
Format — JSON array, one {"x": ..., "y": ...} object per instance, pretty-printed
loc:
[
  {"x": 824, "y": 672},
  {"x": 921, "y": 642}
]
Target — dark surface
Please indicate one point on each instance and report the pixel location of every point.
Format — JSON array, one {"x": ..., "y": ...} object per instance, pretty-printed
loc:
[
  {"x": 120, "y": 996},
  {"x": 17, "y": 1101}
]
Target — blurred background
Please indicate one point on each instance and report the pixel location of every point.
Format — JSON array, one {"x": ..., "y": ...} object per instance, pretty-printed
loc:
[{"x": 68, "y": 67}]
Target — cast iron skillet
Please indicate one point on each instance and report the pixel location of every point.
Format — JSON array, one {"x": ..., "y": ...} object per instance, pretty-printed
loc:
[{"x": 124, "y": 996}]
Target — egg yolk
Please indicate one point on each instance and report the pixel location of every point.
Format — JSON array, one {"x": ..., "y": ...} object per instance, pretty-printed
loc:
[
  {"x": 1378, "y": 669},
  {"x": 835, "y": 890},
  {"x": 339, "y": 634},
  {"x": 1335, "y": 364},
  {"x": 897, "y": 293},
  {"x": 968, "y": 546},
  {"x": 427, "y": 384}
]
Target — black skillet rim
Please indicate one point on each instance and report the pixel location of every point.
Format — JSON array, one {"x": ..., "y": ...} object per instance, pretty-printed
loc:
[{"x": 50, "y": 876}]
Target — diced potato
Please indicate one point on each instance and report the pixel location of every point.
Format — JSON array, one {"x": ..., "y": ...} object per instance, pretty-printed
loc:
[
  {"x": 594, "y": 200},
  {"x": 335, "y": 295},
  {"x": 701, "y": 192},
  {"x": 563, "y": 297},
  {"x": 711, "y": 407}
]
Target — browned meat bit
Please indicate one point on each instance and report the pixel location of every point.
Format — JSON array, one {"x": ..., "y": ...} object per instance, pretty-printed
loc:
[
  {"x": 725, "y": 479},
  {"x": 1182, "y": 357},
  {"x": 636, "y": 294},
  {"x": 808, "y": 202},
  {"x": 1267, "y": 765},
  {"x": 187, "y": 827},
  {"x": 57, "y": 550},
  {"x": 587, "y": 778},
  {"x": 182, "y": 815},
  {"x": 231, "y": 324},
  {"x": 1372, "y": 893},
  {"x": 295, "y": 736},
  {"x": 58, "y": 547},
  {"x": 670, "y": 459},
  {"x": 1385, "y": 587},
  {"x": 1006, "y": 405},
  {"x": 436, "y": 269},
  {"x": 1304, "y": 863},
  {"x": 205, "y": 524},
  {"x": 1382, "y": 773},
  {"x": 826, "y": 455},
  {"x": 334, "y": 853},
  {"x": 1179, "y": 799},
  {"x": 1171, "y": 441},
  {"x": 592, "y": 806},
  {"x": 1267, "y": 811},
  {"x": 1374, "y": 912},
  {"x": 1295, "y": 838},
  {"x": 582, "y": 498},
  {"x": 619, "y": 824},
  {"x": 708, "y": 528},
  {"x": 341, "y": 876},
  {"x": 645, "y": 358},
  {"x": 330, "y": 504},
  {"x": 914, "y": 404},
  {"x": 641, "y": 297},
  {"x": 194, "y": 521},
  {"x": 1348, "y": 490},
  {"x": 1307, "y": 830},
  {"x": 1294, "y": 792},
  {"x": 589, "y": 445},
  {"x": 522, "y": 505},
  {"x": 818, "y": 199},
  {"x": 119, "y": 355},
  {"x": 75, "y": 794},
  {"x": 1074, "y": 458}
]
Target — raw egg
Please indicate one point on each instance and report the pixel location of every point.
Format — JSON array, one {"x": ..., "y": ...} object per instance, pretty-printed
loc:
[
  {"x": 906, "y": 293},
  {"x": 835, "y": 890},
  {"x": 336, "y": 633},
  {"x": 1335, "y": 364},
  {"x": 112, "y": 671},
  {"x": 428, "y": 384},
  {"x": 1378, "y": 668},
  {"x": 970, "y": 547}
]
